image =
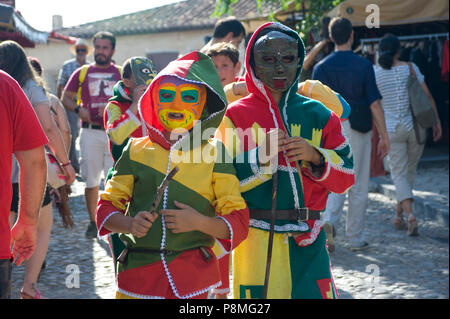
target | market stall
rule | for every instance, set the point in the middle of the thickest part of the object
(422, 27)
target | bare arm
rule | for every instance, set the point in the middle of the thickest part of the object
(55, 139)
(61, 121)
(380, 123)
(32, 180)
(68, 100)
(137, 225)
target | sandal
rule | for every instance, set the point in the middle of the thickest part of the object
(37, 295)
(399, 223)
(413, 226)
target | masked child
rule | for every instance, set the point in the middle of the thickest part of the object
(169, 252)
(121, 118)
(313, 158)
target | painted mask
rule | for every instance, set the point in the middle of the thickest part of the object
(178, 103)
(276, 60)
(143, 71)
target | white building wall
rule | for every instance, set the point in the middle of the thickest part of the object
(53, 54)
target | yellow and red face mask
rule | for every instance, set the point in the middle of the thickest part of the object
(178, 103)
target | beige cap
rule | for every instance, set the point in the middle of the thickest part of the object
(81, 42)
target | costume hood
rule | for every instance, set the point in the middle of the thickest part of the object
(120, 93)
(194, 67)
(255, 85)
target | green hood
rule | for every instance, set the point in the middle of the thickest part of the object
(198, 68)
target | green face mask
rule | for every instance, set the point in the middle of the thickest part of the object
(143, 71)
(276, 60)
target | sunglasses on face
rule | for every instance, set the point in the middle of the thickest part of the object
(81, 50)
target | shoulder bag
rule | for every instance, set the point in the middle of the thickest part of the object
(420, 103)
(421, 109)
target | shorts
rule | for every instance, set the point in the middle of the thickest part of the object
(15, 197)
(95, 157)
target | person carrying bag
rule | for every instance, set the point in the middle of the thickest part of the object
(409, 110)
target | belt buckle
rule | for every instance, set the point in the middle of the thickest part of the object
(299, 214)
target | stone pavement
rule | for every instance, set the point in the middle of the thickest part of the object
(394, 266)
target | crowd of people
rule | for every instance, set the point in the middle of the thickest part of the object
(291, 138)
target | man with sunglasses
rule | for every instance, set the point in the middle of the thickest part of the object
(81, 49)
(92, 86)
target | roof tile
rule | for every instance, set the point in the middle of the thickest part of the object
(184, 15)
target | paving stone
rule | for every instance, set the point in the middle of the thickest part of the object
(394, 267)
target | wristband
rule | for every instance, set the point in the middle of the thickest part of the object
(77, 109)
(66, 164)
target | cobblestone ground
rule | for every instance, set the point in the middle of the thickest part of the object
(395, 265)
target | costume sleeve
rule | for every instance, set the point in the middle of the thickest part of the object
(338, 174)
(322, 93)
(248, 169)
(118, 192)
(119, 125)
(229, 93)
(228, 203)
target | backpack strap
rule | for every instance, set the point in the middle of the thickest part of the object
(82, 76)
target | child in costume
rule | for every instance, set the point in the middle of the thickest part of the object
(313, 158)
(169, 253)
(122, 120)
(226, 58)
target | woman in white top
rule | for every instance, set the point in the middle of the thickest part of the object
(392, 76)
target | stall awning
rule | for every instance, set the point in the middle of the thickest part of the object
(393, 12)
(14, 27)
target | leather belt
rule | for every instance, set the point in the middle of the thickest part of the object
(302, 214)
(92, 126)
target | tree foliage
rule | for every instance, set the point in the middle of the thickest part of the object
(311, 20)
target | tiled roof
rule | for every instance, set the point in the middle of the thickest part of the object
(14, 27)
(180, 16)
